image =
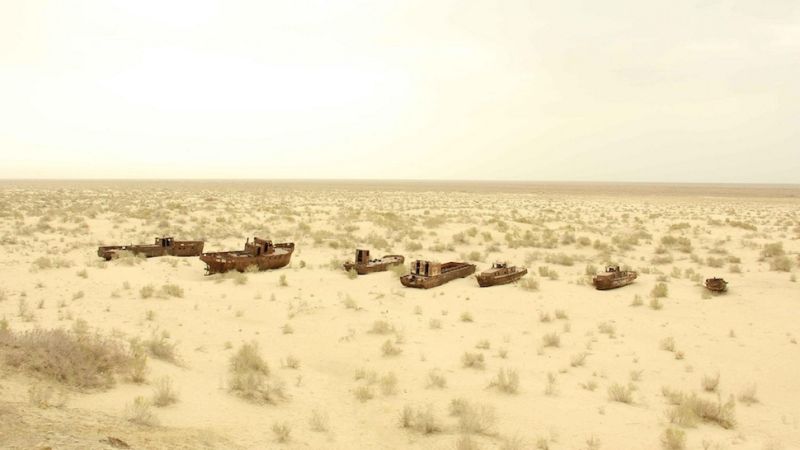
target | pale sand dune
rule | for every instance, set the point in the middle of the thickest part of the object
(748, 335)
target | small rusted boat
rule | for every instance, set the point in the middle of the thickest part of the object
(716, 284)
(363, 265)
(163, 246)
(613, 277)
(427, 274)
(500, 273)
(261, 254)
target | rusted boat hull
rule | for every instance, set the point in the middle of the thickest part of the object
(605, 283)
(487, 280)
(716, 285)
(221, 262)
(380, 265)
(179, 248)
(422, 282)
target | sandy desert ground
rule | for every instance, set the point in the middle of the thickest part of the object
(154, 354)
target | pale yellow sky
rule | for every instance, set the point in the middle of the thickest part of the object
(697, 91)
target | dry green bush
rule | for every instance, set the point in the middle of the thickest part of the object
(507, 380)
(83, 361)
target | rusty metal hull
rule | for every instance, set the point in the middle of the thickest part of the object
(379, 265)
(613, 281)
(493, 278)
(221, 262)
(178, 248)
(716, 284)
(455, 270)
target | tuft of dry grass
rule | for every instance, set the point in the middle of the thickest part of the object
(140, 412)
(660, 290)
(389, 349)
(162, 348)
(282, 432)
(688, 410)
(83, 361)
(473, 360)
(673, 439)
(319, 421)
(473, 418)
(164, 393)
(422, 420)
(620, 393)
(381, 327)
(748, 395)
(551, 340)
(710, 383)
(507, 380)
(248, 376)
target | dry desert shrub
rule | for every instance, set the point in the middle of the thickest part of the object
(748, 395)
(319, 421)
(147, 291)
(667, 344)
(473, 418)
(248, 376)
(389, 349)
(637, 300)
(388, 384)
(466, 316)
(282, 432)
(381, 327)
(710, 383)
(43, 395)
(436, 379)
(551, 340)
(172, 290)
(578, 359)
(364, 393)
(160, 347)
(422, 420)
(164, 393)
(528, 284)
(83, 361)
(473, 360)
(140, 413)
(620, 393)
(465, 442)
(507, 380)
(688, 410)
(660, 290)
(673, 439)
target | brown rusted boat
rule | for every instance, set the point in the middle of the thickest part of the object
(716, 284)
(163, 246)
(427, 274)
(363, 265)
(500, 273)
(613, 277)
(261, 254)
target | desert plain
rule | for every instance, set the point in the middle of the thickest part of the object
(151, 353)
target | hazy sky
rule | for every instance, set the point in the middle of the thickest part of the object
(414, 89)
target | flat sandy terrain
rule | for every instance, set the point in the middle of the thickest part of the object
(362, 362)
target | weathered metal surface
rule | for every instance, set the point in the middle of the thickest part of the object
(427, 274)
(500, 273)
(363, 265)
(716, 284)
(163, 246)
(261, 254)
(613, 277)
